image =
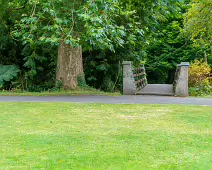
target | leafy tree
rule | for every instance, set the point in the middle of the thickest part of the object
(13, 52)
(57, 36)
(198, 25)
(76, 26)
(169, 48)
(198, 21)
(151, 13)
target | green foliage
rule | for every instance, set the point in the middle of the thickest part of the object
(103, 68)
(81, 81)
(151, 13)
(198, 73)
(8, 73)
(198, 26)
(10, 50)
(169, 48)
(198, 22)
(90, 24)
(204, 89)
(96, 26)
(199, 82)
(109, 32)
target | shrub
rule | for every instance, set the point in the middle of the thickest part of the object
(8, 73)
(199, 80)
(203, 89)
(198, 73)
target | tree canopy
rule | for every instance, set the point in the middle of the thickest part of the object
(108, 31)
(198, 21)
(92, 24)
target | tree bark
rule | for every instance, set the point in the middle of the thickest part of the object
(69, 66)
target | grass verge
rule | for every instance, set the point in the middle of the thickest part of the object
(99, 136)
(82, 91)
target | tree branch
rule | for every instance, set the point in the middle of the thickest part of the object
(22, 7)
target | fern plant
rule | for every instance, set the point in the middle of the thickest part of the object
(7, 73)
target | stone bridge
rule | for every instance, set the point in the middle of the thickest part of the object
(135, 82)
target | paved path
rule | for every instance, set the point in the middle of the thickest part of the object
(139, 99)
(157, 89)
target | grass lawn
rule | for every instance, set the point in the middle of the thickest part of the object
(86, 91)
(99, 136)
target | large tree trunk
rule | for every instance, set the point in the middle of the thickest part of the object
(69, 66)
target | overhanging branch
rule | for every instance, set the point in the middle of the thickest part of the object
(22, 7)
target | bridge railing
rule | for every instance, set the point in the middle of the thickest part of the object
(139, 75)
(180, 85)
(134, 79)
(176, 77)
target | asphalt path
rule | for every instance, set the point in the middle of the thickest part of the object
(129, 99)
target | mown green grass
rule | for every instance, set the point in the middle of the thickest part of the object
(89, 91)
(99, 136)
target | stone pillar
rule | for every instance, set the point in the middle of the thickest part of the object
(128, 79)
(182, 82)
